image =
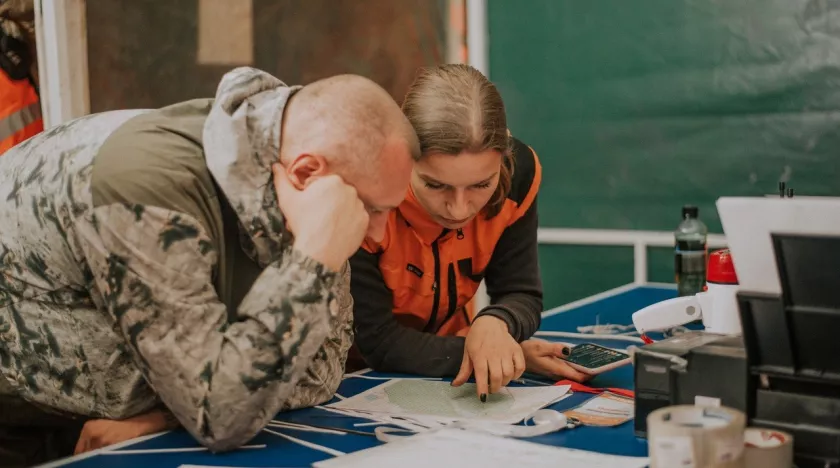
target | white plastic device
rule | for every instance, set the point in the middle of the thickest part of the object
(717, 307)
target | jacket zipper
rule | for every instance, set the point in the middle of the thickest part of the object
(453, 287)
(431, 325)
(453, 296)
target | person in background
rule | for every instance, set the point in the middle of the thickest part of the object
(470, 214)
(188, 265)
(20, 106)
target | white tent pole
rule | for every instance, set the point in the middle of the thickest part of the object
(61, 32)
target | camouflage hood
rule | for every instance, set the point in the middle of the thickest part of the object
(241, 142)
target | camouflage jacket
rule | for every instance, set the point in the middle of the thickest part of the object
(143, 259)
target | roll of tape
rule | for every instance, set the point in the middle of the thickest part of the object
(688, 436)
(767, 448)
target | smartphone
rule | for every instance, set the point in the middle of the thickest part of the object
(593, 359)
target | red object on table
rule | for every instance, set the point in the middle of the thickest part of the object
(576, 387)
(721, 269)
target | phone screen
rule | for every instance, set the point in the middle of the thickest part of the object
(593, 356)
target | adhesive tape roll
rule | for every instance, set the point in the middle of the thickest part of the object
(768, 448)
(693, 436)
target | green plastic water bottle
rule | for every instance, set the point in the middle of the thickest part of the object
(690, 253)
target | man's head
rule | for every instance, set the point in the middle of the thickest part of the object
(349, 126)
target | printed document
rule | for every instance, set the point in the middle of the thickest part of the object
(606, 409)
(468, 449)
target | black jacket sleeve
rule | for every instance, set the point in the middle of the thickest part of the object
(387, 345)
(513, 278)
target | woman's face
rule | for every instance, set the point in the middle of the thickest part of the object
(455, 188)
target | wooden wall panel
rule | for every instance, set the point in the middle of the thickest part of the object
(145, 53)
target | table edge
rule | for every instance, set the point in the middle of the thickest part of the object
(603, 295)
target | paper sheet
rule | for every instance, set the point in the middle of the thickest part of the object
(606, 409)
(465, 449)
(445, 403)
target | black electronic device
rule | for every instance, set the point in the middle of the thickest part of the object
(678, 370)
(593, 359)
(793, 348)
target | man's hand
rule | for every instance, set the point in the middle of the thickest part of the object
(546, 358)
(326, 216)
(98, 433)
(494, 356)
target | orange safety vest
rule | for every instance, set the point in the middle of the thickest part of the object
(20, 112)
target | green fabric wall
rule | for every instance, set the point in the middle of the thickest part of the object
(637, 108)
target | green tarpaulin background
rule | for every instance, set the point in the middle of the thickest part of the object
(639, 107)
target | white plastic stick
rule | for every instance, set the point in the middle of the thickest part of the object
(303, 428)
(378, 418)
(371, 377)
(374, 423)
(171, 450)
(317, 447)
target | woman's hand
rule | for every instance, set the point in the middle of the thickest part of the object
(547, 358)
(492, 354)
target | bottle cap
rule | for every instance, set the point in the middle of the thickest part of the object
(721, 269)
(689, 211)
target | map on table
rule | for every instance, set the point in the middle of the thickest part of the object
(438, 399)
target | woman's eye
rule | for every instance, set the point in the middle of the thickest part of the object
(482, 185)
(433, 186)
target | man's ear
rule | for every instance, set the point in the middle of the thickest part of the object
(304, 168)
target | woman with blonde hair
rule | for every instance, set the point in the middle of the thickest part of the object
(470, 214)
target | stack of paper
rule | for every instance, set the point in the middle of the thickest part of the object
(467, 449)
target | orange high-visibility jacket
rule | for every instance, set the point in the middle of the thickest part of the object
(411, 290)
(20, 112)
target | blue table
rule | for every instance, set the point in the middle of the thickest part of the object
(611, 307)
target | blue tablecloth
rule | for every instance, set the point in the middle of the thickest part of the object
(611, 307)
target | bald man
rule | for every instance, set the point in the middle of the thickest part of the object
(188, 265)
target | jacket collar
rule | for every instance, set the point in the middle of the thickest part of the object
(426, 228)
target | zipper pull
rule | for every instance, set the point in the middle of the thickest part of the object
(460, 234)
(434, 286)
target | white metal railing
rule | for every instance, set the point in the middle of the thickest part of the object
(639, 240)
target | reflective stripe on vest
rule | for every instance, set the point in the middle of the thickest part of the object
(17, 121)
